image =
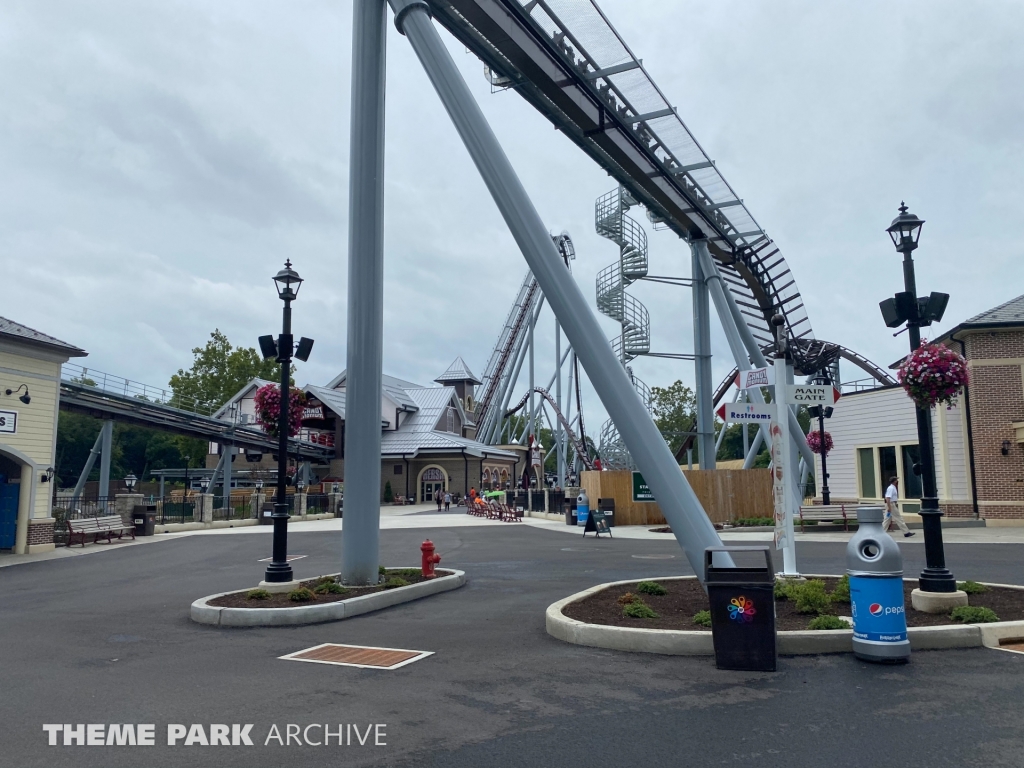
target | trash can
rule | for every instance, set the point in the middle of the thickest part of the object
(608, 507)
(266, 514)
(582, 508)
(742, 597)
(144, 518)
(875, 567)
(570, 511)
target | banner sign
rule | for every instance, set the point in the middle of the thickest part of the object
(9, 422)
(810, 394)
(640, 490)
(758, 377)
(747, 412)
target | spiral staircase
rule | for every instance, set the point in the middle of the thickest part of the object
(634, 338)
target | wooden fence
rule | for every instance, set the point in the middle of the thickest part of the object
(725, 494)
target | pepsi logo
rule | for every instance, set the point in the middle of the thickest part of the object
(875, 609)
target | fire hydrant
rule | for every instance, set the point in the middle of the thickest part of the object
(429, 559)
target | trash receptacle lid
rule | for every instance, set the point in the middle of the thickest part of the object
(747, 566)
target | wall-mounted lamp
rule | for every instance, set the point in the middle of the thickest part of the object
(1006, 448)
(47, 476)
(26, 398)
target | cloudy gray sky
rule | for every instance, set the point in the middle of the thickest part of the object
(161, 159)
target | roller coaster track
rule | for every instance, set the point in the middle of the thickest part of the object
(566, 59)
(577, 443)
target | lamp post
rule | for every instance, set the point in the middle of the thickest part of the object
(288, 283)
(822, 413)
(905, 232)
(184, 493)
(129, 482)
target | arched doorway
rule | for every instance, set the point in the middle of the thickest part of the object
(17, 497)
(431, 478)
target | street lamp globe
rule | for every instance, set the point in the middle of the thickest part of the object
(129, 482)
(288, 282)
(905, 230)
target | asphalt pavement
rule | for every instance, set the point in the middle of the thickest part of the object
(107, 639)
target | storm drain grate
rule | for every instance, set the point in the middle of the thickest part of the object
(1015, 644)
(363, 656)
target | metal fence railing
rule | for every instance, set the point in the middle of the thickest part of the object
(175, 510)
(64, 510)
(240, 508)
(318, 504)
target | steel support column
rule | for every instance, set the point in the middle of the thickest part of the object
(84, 476)
(107, 434)
(360, 539)
(702, 363)
(677, 500)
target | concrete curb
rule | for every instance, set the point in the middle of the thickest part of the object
(203, 613)
(676, 642)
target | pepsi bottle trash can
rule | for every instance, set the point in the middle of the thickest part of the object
(742, 597)
(875, 567)
(582, 508)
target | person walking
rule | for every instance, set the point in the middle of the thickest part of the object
(892, 508)
(447, 501)
(437, 498)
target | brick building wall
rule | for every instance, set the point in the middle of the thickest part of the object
(996, 393)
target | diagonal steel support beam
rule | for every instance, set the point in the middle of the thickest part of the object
(677, 500)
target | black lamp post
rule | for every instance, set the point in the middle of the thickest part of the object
(288, 283)
(905, 232)
(129, 482)
(184, 494)
(822, 412)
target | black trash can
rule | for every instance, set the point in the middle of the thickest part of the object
(742, 597)
(570, 511)
(608, 507)
(144, 518)
(266, 514)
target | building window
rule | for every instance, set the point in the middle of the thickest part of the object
(451, 419)
(398, 469)
(866, 465)
(887, 464)
(911, 486)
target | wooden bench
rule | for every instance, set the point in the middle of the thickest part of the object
(97, 527)
(829, 513)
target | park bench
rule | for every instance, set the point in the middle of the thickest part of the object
(510, 515)
(830, 512)
(98, 527)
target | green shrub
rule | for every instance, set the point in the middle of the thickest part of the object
(702, 618)
(971, 587)
(651, 588)
(784, 588)
(827, 622)
(638, 609)
(810, 597)
(752, 521)
(395, 581)
(329, 588)
(382, 570)
(627, 598)
(257, 594)
(970, 614)
(301, 595)
(405, 572)
(389, 495)
(841, 594)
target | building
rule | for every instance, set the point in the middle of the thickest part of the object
(427, 434)
(30, 364)
(979, 437)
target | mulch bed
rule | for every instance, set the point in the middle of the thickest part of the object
(685, 598)
(281, 600)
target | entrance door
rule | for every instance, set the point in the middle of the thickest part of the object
(428, 488)
(9, 493)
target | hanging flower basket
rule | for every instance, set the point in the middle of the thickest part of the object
(814, 442)
(268, 409)
(933, 374)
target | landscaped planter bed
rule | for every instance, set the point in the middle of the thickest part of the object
(282, 599)
(685, 598)
(235, 609)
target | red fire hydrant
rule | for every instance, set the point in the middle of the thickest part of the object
(429, 559)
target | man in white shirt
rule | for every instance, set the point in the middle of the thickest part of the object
(892, 508)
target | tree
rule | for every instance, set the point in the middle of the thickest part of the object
(218, 372)
(673, 408)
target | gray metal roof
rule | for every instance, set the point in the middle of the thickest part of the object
(393, 387)
(240, 395)
(1010, 312)
(431, 403)
(457, 371)
(334, 399)
(412, 443)
(26, 335)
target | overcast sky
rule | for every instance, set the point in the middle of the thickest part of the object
(160, 160)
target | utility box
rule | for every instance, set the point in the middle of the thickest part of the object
(144, 519)
(741, 589)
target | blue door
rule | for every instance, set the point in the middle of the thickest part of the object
(8, 513)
